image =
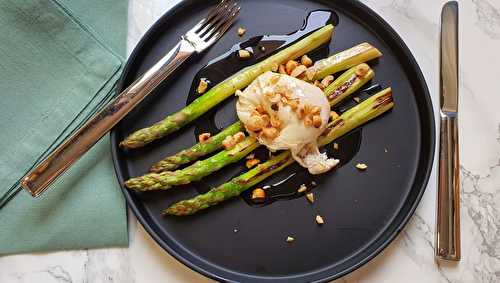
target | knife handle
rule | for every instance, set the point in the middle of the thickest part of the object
(448, 201)
(39, 179)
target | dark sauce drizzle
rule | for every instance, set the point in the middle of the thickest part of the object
(283, 185)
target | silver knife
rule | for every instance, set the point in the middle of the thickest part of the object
(448, 200)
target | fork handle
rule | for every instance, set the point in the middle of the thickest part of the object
(72, 148)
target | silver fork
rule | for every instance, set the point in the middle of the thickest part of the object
(196, 40)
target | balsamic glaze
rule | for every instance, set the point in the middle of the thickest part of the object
(229, 63)
(284, 184)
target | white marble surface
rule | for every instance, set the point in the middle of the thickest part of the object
(410, 257)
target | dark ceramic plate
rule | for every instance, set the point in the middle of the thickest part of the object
(363, 211)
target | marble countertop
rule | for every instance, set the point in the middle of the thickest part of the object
(410, 258)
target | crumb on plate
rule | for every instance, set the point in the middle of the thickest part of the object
(310, 197)
(320, 220)
(302, 188)
(241, 31)
(361, 166)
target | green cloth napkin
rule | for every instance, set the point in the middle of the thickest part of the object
(59, 58)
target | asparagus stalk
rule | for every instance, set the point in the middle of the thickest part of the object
(225, 89)
(351, 119)
(343, 60)
(360, 114)
(349, 82)
(200, 169)
(198, 150)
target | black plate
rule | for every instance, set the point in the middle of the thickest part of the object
(363, 211)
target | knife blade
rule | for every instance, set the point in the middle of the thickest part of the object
(449, 58)
(448, 199)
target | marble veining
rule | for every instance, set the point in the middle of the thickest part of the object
(410, 258)
(488, 18)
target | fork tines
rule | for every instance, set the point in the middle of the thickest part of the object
(218, 20)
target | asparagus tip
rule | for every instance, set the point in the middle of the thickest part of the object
(177, 209)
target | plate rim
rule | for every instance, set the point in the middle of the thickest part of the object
(389, 237)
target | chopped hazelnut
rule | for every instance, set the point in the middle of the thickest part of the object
(310, 197)
(306, 61)
(244, 54)
(316, 110)
(307, 109)
(310, 73)
(228, 142)
(357, 99)
(203, 137)
(270, 133)
(362, 70)
(319, 84)
(361, 166)
(290, 66)
(256, 123)
(326, 81)
(333, 115)
(275, 121)
(275, 67)
(293, 104)
(252, 162)
(319, 220)
(282, 69)
(258, 195)
(284, 100)
(308, 121)
(273, 97)
(299, 70)
(266, 120)
(260, 109)
(335, 146)
(285, 92)
(302, 188)
(289, 239)
(202, 86)
(239, 137)
(274, 79)
(241, 31)
(316, 120)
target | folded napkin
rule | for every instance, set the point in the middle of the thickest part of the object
(59, 59)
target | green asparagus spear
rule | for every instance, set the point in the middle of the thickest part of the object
(349, 82)
(200, 169)
(358, 115)
(198, 150)
(166, 180)
(225, 89)
(351, 119)
(343, 60)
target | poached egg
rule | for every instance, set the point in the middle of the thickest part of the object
(286, 113)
